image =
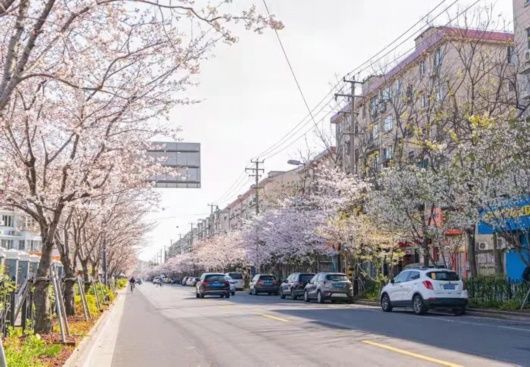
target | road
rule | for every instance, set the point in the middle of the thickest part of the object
(168, 326)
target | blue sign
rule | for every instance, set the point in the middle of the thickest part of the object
(509, 216)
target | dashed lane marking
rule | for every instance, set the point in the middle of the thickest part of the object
(273, 317)
(411, 354)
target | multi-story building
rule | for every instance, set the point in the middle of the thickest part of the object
(271, 190)
(20, 243)
(410, 104)
(521, 21)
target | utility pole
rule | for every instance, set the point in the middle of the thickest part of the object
(353, 130)
(211, 220)
(105, 271)
(255, 173)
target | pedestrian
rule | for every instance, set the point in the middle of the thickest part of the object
(132, 283)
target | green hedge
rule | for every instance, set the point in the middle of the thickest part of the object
(496, 292)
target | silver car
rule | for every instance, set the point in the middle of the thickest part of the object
(329, 286)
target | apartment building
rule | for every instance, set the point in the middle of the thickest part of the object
(276, 186)
(521, 21)
(413, 104)
(20, 244)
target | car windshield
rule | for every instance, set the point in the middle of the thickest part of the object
(443, 275)
(266, 277)
(336, 277)
(215, 278)
(235, 275)
(306, 277)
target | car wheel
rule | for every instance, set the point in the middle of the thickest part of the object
(227, 295)
(282, 296)
(306, 297)
(197, 295)
(386, 306)
(418, 305)
(459, 311)
(349, 300)
(233, 293)
(202, 295)
(319, 297)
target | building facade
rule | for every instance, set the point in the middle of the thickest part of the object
(521, 21)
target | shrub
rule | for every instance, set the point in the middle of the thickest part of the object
(496, 292)
(121, 283)
(25, 349)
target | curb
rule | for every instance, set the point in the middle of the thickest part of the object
(484, 312)
(82, 347)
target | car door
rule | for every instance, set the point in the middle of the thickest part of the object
(312, 286)
(395, 291)
(408, 286)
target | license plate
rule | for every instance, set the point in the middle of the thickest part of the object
(216, 284)
(267, 282)
(339, 285)
(449, 286)
(340, 295)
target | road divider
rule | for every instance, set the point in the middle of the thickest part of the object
(411, 354)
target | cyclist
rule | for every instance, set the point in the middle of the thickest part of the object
(132, 283)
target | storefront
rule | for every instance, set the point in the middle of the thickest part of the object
(511, 221)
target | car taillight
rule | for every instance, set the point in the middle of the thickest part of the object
(259, 282)
(427, 284)
(204, 283)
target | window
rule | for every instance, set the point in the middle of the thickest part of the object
(386, 94)
(336, 277)
(422, 68)
(437, 59)
(510, 55)
(424, 101)
(305, 277)
(388, 152)
(410, 92)
(6, 220)
(401, 277)
(443, 275)
(375, 131)
(373, 106)
(388, 123)
(413, 275)
(21, 245)
(7, 244)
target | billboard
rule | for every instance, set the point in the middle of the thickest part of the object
(184, 157)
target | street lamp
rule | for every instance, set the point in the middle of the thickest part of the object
(295, 162)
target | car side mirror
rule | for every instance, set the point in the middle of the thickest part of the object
(392, 281)
(284, 281)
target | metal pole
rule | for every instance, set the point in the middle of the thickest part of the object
(105, 275)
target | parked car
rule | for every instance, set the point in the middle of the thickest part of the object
(295, 284)
(232, 285)
(264, 283)
(184, 280)
(192, 281)
(212, 284)
(329, 286)
(238, 278)
(423, 289)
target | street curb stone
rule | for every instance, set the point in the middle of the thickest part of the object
(81, 348)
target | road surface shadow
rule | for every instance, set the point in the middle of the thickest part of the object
(493, 339)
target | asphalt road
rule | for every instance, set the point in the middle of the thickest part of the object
(168, 326)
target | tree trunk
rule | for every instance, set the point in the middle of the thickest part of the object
(471, 257)
(86, 276)
(69, 281)
(43, 321)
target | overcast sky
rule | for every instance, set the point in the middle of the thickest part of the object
(250, 101)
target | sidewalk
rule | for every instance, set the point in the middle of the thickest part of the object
(97, 348)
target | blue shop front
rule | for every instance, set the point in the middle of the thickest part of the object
(510, 219)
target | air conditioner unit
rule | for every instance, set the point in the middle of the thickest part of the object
(484, 246)
(526, 57)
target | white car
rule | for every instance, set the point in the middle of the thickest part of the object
(238, 278)
(425, 288)
(232, 285)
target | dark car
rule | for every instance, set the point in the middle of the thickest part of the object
(329, 286)
(264, 283)
(295, 284)
(212, 284)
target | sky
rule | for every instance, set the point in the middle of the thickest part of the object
(249, 100)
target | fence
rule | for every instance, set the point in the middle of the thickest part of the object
(496, 292)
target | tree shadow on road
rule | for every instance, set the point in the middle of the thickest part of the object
(494, 339)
